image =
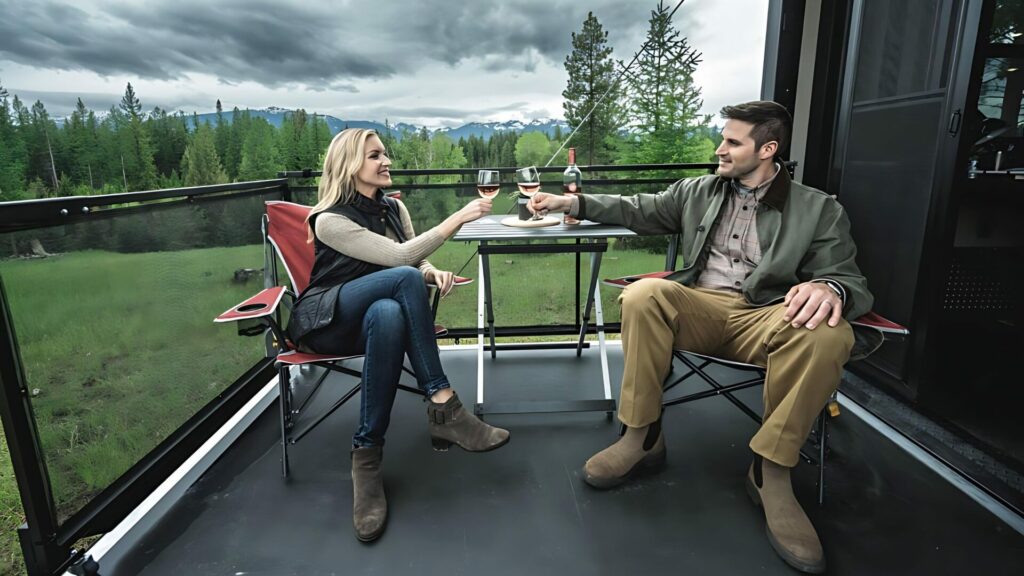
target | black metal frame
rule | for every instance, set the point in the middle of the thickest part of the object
(819, 434)
(30, 214)
(289, 414)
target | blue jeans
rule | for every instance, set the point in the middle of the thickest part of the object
(384, 315)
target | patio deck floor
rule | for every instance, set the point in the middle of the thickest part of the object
(524, 509)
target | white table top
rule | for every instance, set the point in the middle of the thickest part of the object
(491, 228)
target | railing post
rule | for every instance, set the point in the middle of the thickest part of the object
(38, 535)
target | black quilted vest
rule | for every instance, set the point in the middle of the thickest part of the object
(331, 269)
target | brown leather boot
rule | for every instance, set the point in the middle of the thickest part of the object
(450, 423)
(639, 449)
(369, 505)
(789, 530)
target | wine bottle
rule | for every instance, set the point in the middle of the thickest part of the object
(572, 183)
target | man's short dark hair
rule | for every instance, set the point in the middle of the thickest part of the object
(770, 119)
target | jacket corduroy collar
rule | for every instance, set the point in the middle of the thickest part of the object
(778, 190)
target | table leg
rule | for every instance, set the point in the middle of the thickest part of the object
(595, 270)
(485, 261)
(599, 321)
(594, 299)
(480, 332)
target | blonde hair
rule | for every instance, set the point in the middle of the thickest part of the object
(343, 160)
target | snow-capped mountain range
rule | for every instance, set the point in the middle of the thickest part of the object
(484, 130)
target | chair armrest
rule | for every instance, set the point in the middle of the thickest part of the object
(624, 281)
(880, 323)
(262, 304)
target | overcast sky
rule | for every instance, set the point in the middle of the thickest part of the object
(428, 62)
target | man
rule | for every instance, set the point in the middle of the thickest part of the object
(768, 276)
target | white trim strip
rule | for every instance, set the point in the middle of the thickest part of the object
(146, 514)
(986, 501)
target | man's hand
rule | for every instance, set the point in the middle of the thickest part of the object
(443, 280)
(544, 202)
(810, 303)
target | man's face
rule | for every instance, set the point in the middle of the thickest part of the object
(737, 156)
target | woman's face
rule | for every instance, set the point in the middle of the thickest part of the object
(375, 172)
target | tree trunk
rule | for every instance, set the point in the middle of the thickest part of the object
(37, 248)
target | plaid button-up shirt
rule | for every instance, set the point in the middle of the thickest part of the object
(735, 249)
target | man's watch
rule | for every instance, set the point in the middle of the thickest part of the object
(837, 288)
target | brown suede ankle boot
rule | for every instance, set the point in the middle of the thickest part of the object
(450, 423)
(638, 449)
(369, 505)
(789, 530)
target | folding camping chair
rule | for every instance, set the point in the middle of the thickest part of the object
(697, 365)
(285, 234)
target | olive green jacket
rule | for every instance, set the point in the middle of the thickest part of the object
(804, 234)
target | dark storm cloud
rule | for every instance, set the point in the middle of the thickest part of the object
(280, 43)
(61, 104)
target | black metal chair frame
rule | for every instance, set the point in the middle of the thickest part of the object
(819, 433)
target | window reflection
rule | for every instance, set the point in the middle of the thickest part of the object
(1008, 23)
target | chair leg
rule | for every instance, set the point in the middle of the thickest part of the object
(434, 304)
(283, 392)
(822, 452)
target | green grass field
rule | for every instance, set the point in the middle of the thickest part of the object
(120, 349)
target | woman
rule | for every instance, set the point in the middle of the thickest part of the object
(367, 294)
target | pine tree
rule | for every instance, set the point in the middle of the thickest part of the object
(665, 102)
(240, 125)
(259, 158)
(315, 137)
(13, 157)
(79, 147)
(200, 163)
(42, 144)
(222, 138)
(289, 141)
(591, 71)
(135, 149)
(170, 136)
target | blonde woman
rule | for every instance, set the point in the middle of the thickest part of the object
(367, 294)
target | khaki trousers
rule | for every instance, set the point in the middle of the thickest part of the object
(803, 366)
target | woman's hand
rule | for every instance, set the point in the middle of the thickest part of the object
(475, 209)
(443, 279)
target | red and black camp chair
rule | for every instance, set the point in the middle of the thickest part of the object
(285, 234)
(697, 365)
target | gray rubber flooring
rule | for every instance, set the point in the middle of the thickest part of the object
(524, 508)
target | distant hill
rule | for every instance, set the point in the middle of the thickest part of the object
(275, 116)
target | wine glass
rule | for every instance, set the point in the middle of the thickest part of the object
(528, 180)
(487, 183)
